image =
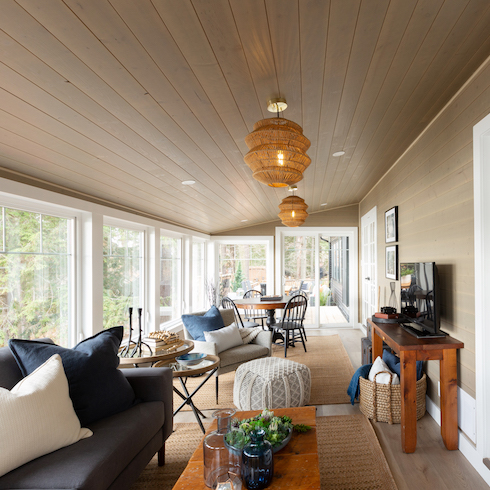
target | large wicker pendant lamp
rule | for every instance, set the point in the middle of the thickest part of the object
(293, 210)
(277, 155)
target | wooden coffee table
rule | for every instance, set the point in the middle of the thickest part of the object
(295, 466)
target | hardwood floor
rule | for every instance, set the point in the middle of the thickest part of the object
(431, 466)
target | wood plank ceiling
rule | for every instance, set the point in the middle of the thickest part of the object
(123, 100)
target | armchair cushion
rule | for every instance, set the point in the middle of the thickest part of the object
(196, 325)
(97, 388)
(242, 353)
(225, 338)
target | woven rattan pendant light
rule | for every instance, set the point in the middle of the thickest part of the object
(293, 210)
(277, 155)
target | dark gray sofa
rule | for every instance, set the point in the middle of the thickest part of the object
(121, 445)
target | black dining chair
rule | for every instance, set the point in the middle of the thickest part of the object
(228, 303)
(296, 293)
(291, 324)
(252, 314)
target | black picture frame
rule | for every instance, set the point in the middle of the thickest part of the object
(391, 262)
(391, 225)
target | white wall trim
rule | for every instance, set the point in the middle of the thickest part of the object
(481, 183)
(466, 447)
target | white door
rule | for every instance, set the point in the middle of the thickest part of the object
(319, 262)
(368, 265)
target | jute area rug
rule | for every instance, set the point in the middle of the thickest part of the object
(329, 363)
(349, 453)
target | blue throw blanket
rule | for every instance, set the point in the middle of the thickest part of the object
(353, 389)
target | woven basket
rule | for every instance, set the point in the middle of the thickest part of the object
(382, 402)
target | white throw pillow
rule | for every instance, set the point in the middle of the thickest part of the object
(37, 416)
(225, 338)
(378, 366)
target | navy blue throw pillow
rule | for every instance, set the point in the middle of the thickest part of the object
(97, 388)
(393, 362)
(197, 325)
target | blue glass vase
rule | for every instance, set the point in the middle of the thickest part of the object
(257, 462)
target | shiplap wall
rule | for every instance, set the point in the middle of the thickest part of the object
(344, 216)
(432, 185)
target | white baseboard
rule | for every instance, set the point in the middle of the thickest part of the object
(362, 328)
(466, 447)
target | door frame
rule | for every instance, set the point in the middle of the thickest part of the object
(481, 183)
(349, 231)
(371, 215)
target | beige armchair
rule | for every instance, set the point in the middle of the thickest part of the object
(230, 359)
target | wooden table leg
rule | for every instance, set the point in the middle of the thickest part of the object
(377, 344)
(408, 382)
(449, 399)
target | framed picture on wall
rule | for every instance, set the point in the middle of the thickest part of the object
(392, 262)
(391, 225)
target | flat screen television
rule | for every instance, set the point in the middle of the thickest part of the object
(420, 296)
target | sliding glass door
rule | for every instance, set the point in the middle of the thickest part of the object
(322, 263)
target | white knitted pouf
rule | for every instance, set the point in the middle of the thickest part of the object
(271, 382)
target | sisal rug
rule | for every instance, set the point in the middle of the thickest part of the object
(329, 363)
(349, 453)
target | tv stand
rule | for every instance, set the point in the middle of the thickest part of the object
(411, 349)
(414, 330)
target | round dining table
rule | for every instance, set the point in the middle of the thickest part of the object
(263, 303)
(270, 306)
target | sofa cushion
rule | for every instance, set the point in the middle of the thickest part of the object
(225, 338)
(93, 463)
(242, 353)
(97, 388)
(37, 416)
(197, 324)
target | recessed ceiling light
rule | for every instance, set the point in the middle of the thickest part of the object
(338, 153)
(188, 182)
(324, 204)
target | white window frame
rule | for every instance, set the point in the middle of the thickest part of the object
(145, 289)
(189, 306)
(90, 217)
(170, 325)
(268, 241)
(42, 207)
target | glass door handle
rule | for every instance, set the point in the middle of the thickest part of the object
(367, 278)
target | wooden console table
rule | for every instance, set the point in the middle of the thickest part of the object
(411, 349)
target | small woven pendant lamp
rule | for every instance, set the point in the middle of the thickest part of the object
(293, 210)
(277, 155)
